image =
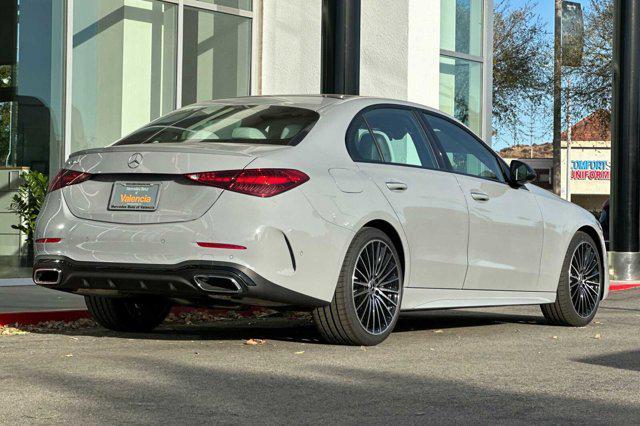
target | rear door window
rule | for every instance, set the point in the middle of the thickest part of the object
(256, 124)
(399, 137)
(389, 135)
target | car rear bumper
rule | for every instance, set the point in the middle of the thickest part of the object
(191, 280)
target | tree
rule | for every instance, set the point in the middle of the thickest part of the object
(593, 81)
(522, 61)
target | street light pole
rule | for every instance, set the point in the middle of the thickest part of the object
(567, 184)
(624, 257)
(557, 97)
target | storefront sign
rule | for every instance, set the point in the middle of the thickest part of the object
(590, 170)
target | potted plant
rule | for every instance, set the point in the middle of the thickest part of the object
(26, 204)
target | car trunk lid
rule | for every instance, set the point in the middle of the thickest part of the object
(159, 168)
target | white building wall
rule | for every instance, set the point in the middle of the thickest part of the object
(423, 70)
(287, 56)
(399, 47)
(384, 49)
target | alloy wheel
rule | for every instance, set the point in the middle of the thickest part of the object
(585, 277)
(376, 286)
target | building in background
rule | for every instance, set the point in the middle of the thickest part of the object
(590, 161)
(79, 74)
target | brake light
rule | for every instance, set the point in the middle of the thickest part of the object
(221, 246)
(48, 240)
(257, 182)
(67, 178)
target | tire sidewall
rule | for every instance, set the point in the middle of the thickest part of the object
(564, 291)
(362, 238)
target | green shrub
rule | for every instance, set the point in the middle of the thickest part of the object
(28, 201)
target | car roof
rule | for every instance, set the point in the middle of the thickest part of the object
(312, 102)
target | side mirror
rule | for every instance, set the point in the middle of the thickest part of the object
(521, 173)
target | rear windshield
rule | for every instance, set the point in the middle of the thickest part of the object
(256, 124)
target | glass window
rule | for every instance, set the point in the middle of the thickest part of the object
(360, 143)
(124, 68)
(461, 26)
(461, 91)
(256, 124)
(216, 56)
(466, 154)
(399, 137)
(31, 79)
(236, 4)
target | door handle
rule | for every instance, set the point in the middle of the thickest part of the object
(396, 186)
(479, 196)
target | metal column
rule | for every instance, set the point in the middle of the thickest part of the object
(625, 155)
(341, 46)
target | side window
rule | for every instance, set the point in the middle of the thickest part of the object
(360, 143)
(466, 154)
(399, 137)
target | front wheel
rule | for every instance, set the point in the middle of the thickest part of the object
(580, 284)
(128, 314)
(366, 303)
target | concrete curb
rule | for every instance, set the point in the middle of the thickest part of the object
(623, 285)
(29, 318)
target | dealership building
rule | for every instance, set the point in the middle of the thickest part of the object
(77, 74)
(589, 159)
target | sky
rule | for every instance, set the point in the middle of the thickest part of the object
(539, 128)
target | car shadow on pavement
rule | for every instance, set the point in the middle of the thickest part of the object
(297, 329)
(458, 318)
(158, 388)
(627, 360)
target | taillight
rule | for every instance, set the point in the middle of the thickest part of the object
(48, 240)
(221, 246)
(66, 178)
(256, 182)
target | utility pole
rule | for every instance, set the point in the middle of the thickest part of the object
(557, 97)
(567, 185)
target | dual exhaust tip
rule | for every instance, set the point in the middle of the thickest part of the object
(47, 276)
(210, 283)
(218, 284)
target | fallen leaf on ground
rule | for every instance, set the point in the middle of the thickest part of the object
(12, 331)
(597, 336)
(255, 342)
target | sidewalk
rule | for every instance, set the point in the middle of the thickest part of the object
(31, 298)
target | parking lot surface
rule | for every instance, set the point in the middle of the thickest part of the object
(501, 365)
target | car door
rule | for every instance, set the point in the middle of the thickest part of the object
(390, 146)
(505, 222)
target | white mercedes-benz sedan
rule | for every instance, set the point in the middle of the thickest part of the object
(354, 208)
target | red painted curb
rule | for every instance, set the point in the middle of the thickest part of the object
(30, 318)
(27, 318)
(618, 286)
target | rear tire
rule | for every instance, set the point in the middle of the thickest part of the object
(580, 284)
(366, 303)
(131, 314)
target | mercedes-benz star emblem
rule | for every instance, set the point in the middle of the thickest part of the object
(135, 160)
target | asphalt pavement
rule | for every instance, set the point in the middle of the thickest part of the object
(504, 366)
